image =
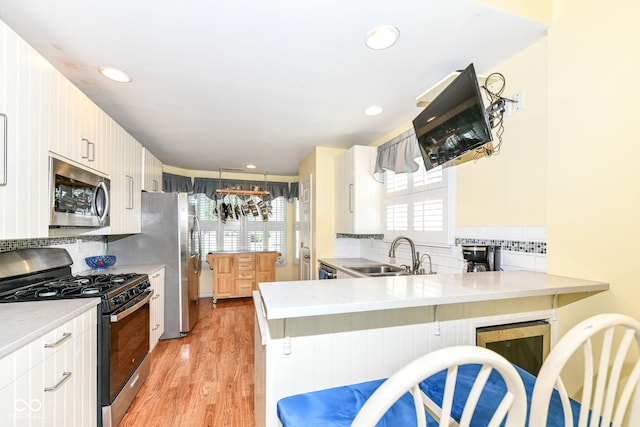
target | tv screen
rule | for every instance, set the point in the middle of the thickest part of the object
(454, 123)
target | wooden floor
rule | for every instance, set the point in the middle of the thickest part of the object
(205, 378)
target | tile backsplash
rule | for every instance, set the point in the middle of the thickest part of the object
(78, 248)
(522, 248)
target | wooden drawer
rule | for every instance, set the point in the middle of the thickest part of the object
(246, 275)
(246, 266)
(246, 258)
(244, 287)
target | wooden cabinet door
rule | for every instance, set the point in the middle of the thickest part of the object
(224, 276)
(265, 267)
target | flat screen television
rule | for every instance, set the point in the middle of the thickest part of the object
(454, 123)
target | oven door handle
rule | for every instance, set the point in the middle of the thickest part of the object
(129, 310)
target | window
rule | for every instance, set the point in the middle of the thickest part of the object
(420, 204)
(248, 233)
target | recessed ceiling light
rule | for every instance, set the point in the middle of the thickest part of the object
(115, 74)
(251, 166)
(373, 110)
(382, 37)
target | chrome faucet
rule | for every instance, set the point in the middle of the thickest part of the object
(421, 271)
(414, 256)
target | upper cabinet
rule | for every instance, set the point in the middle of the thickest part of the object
(80, 131)
(358, 195)
(25, 104)
(151, 171)
(126, 183)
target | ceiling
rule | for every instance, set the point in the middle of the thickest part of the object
(221, 84)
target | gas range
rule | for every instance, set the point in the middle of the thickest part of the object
(115, 290)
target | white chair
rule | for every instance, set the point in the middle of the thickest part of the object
(370, 402)
(609, 395)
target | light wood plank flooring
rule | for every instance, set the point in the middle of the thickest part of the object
(205, 378)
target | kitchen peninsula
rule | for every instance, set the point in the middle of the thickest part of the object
(317, 334)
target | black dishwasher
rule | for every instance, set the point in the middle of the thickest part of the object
(326, 271)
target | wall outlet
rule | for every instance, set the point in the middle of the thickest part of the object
(518, 105)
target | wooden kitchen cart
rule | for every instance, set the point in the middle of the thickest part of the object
(237, 274)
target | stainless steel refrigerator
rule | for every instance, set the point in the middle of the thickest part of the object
(170, 236)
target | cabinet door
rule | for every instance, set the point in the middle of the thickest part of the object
(56, 385)
(95, 139)
(24, 105)
(358, 195)
(157, 308)
(224, 276)
(126, 199)
(151, 171)
(265, 267)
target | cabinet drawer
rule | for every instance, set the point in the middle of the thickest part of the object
(246, 266)
(244, 287)
(246, 258)
(30, 355)
(245, 275)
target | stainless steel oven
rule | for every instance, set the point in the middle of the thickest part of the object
(125, 366)
(78, 197)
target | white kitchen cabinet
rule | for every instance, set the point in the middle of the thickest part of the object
(358, 195)
(80, 131)
(24, 106)
(151, 171)
(53, 379)
(342, 275)
(156, 307)
(126, 183)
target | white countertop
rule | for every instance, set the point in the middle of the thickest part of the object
(23, 322)
(323, 297)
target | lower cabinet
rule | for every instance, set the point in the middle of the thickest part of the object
(156, 308)
(238, 275)
(53, 379)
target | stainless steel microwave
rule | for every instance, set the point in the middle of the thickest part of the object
(79, 197)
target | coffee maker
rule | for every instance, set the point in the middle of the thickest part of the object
(481, 258)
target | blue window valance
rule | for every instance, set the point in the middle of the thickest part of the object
(397, 155)
(176, 183)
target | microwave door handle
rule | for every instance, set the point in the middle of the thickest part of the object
(101, 216)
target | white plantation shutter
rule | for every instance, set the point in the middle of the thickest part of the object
(397, 217)
(420, 205)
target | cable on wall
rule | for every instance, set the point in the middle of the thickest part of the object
(496, 108)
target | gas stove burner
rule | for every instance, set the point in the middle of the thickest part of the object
(90, 291)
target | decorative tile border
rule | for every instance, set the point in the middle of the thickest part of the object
(360, 236)
(11, 245)
(508, 245)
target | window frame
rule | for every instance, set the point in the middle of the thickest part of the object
(405, 191)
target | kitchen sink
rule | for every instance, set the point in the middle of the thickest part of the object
(379, 270)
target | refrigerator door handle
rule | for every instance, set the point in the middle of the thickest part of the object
(197, 248)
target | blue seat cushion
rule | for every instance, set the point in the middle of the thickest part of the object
(339, 406)
(491, 395)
